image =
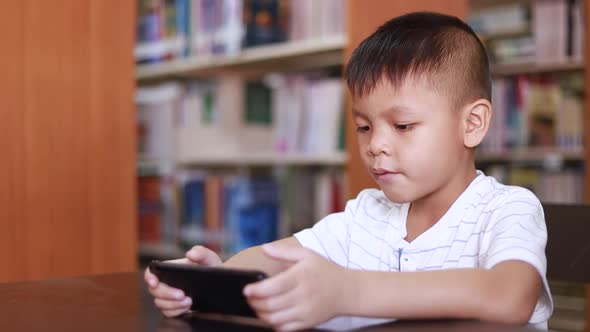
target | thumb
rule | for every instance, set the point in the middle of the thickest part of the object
(203, 256)
(292, 255)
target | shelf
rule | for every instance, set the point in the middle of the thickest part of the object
(160, 251)
(530, 155)
(151, 167)
(475, 5)
(504, 35)
(528, 66)
(305, 54)
(269, 159)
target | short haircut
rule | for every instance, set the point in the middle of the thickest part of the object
(424, 45)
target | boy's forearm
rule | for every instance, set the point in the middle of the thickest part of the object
(410, 295)
(459, 293)
(254, 258)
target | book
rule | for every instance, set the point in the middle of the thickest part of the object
(172, 29)
(519, 31)
(532, 111)
(192, 207)
(261, 19)
(308, 114)
(214, 212)
(258, 103)
(149, 209)
(157, 107)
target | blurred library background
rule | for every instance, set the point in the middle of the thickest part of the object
(240, 108)
(146, 127)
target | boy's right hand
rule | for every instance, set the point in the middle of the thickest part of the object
(171, 301)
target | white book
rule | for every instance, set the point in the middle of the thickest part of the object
(156, 107)
(550, 38)
(295, 110)
(195, 26)
(280, 116)
(578, 29)
(232, 27)
(323, 194)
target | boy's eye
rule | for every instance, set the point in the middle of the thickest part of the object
(404, 127)
(362, 130)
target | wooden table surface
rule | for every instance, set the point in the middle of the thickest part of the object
(120, 302)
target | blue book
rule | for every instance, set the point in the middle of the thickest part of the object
(252, 212)
(262, 23)
(193, 203)
(183, 24)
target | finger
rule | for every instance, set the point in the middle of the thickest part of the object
(279, 284)
(291, 326)
(174, 313)
(163, 291)
(204, 256)
(150, 278)
(280, 318)
(179, 261)
(271, 304)
(163, 304)
(285, 254)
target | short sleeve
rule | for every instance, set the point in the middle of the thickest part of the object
(330, 237)
(517, 231)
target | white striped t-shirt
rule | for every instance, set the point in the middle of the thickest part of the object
(489, 223)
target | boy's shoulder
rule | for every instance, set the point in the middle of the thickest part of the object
(495, 194)
(489, 201)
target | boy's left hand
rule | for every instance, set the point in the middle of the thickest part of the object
(309, 292)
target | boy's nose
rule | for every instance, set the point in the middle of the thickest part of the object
(379, 145)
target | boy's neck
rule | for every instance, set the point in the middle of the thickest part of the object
(427, 211)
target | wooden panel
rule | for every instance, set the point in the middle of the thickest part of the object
(362, 21)
(12, 244)
(586, 117)
(70, 206)
(112, 136)
(587, 140)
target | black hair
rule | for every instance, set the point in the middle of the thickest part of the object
(441, 48)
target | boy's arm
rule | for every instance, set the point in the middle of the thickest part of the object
(254, 257)
(506, 293)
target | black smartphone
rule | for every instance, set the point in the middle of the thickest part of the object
(212, 289)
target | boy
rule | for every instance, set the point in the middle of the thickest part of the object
(466, 245)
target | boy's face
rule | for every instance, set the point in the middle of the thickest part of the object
(410, 139)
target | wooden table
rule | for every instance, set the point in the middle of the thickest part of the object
(120, 302)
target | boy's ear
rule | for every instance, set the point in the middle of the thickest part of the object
(476, 119)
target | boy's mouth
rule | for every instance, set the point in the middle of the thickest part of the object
(382, 174)
(381, 171)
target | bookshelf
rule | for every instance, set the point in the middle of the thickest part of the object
(161, 251)
(268, 159)
(538, 94)
(531, 66)
(338, 159)
(530, 155)
(299, 55)
(297, 73)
